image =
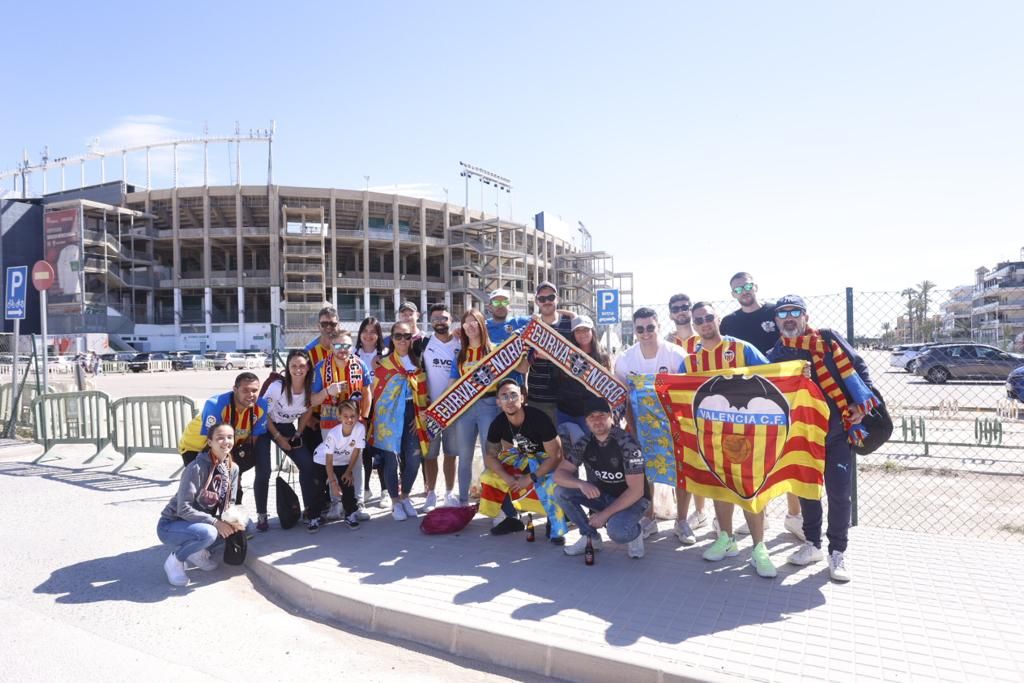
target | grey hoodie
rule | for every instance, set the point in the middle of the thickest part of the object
(192, 480)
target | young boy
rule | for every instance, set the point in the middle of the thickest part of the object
(333, 461)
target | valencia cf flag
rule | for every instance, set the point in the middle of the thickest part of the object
(746, 435)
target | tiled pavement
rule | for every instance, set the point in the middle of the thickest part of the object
(920, 607)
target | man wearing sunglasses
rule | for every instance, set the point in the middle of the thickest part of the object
(542, 386)
(318, 349)
(437, 358)
(651, 354)
(683, 335)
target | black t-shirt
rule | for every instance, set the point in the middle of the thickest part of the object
(528, 437)
(757, 328)
(541, 381)
(608, 464)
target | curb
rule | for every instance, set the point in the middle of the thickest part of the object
(469, 641)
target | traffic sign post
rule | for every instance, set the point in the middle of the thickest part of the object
(607, 306)
(15, 302)
(42, 280)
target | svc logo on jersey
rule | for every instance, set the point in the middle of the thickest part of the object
(768, 326)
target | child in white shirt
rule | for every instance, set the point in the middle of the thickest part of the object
(333, 461)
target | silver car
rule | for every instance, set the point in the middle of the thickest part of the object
(966, 361)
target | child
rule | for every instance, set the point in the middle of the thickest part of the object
(333, 461)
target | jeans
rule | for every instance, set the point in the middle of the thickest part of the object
(373, 460)
(623, 526)
(839, 464)
(187, 537)
(301, 456)
(410, 456)
(469, 427)
(571, 428)
(348, 492)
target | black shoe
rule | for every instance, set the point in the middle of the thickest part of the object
(508, 525)
(557, 541)
(314, 525)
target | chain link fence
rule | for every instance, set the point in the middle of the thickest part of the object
(955, 463)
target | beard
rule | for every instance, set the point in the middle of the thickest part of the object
(441, 329)
(792, 330)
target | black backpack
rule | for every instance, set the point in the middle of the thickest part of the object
(288, 509)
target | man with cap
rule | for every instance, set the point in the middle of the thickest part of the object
(843, 378)
(615, 489)
(542, 390)
(572, 393)
(500, 325)
(408, 313)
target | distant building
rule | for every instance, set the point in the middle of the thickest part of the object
(997, 306)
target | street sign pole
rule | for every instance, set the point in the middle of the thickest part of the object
(42, 328)
(42, 280)
(16, 298)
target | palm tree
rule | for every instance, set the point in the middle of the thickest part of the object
(925, 287)
(910, 293)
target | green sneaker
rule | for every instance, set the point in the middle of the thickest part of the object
(724, 547)
(762, 561)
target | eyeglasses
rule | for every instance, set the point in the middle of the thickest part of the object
(499, 302)
(509, 398)
(434, 321)
(341, 346)
(743, 288)
(679, 308)
(327, 323)
(789, 313)
(651, 327)
(700, 320)
(402, 336)
(546, 298)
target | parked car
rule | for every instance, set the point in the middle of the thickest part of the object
(184, 360)
(141, 361)
(905, 356)
(1015, 385)
(228, 360)
(120, 356)
(966, 361)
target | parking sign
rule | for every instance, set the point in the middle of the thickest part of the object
(16, 293)
(607, 306)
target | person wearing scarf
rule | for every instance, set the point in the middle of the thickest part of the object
(399, 426)
(843, 377)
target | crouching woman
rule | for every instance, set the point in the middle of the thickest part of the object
(191, 523)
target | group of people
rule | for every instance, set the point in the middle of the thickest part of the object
(346, 406)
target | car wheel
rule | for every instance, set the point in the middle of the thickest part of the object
(229, 366)
(911, 366)
(938, 375)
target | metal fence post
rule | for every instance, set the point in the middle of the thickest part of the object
(853, 475)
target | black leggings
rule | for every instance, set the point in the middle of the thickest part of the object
(322, 487)
(370, 454)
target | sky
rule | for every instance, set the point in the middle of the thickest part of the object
(817, 145)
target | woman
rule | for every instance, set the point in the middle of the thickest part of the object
(288, 400)
(370, 349)
(474, 423)
(572, 424)
(399, 427)
(191, 521)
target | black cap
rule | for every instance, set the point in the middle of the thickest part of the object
(793, 300)
(509, 380)
(595, 404)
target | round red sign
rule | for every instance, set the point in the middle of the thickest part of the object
(42, 275)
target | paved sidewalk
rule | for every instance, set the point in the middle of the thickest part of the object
(919, 608)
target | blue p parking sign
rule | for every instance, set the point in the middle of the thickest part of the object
(607, 306)
(16, 292)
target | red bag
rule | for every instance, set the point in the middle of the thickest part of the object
(447, 520)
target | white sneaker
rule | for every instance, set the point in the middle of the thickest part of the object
(684, 533)
(451, 500)
(837, 567)
(430, 503)
(636, 547)
(698, 519)
(385, 500)
(806, 554)
(398, 512)
(648, 525)
(795, 525)
(203, 560)
(361, 514)
(334, 511)
(580, 546)
(175, 570)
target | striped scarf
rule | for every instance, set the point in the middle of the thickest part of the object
(353, 374)
(393, 385)
(814, 343)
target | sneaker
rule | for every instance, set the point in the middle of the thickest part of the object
(367, 495)
(724, 547)
(385, 500)
(580, 546)
(806, 554)
(203, 560)
(352, 521)
(261, 522)
(508, 525)
(684, 533)
(795, 525)
(314, 525)
(698, 519)
(398, 512)
(762, 562)
(635, 549)
(361, 514)
(430, 503)
(451, 500)
(648, 525)
(837, 567)
(334, 511)
(410, 511)
(175, 570)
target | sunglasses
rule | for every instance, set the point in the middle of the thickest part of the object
(700, 320)
(402, 336)
(743, 288)
(651, 327)
(499, 302)
(509, 398)
(546, 298)
(679, 308)
(789, 313)
(435, 321)
(341, 346)
(325, 323)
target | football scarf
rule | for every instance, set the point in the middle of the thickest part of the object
(538, 499)
(393, 387)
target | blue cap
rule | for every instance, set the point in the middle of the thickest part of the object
(793, 301)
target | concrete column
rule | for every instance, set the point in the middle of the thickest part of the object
(423, 255)
(366, 301)
(176, 234)
(239, 223)
(366, 250)
(241, 319)
(207, 250)
(446, 264)
(208, 310)
(150, 307)
(395, 252)
(177, 311)
(332, 281)
(275, 305)
(398, 300)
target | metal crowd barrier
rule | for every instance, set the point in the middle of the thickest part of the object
(204, 364)
(28, 394)
(75, 417)
(149, 424)
(115, 367)
(158, 366)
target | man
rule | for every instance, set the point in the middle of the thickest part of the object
(340, 377)
(755, 323)
(615, 490)
(318, 349)
(542, 387)
(438, 357)
(716, 352)
(242, 409)
(500, 326)
(829, 355)
(522, 452)
(409, 314)
(650, 356)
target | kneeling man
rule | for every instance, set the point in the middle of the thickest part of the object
(615, 491)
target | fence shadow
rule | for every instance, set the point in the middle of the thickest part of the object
(94, 480)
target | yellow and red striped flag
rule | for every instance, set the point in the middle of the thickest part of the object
(746, 435)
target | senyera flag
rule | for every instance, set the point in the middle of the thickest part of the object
(747, 435)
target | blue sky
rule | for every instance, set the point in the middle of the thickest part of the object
(817, 145)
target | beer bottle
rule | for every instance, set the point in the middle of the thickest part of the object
(588, 554)
(531, 535)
